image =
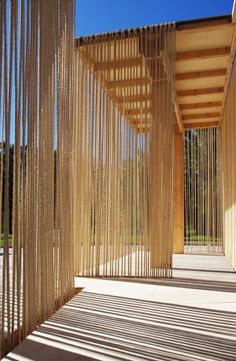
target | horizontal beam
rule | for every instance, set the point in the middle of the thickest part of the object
(201, 74)
(200, 116)
(200, 105)
(201, 125)
(115, 64)
(192, 92)
(140, 124)
(197, 25)
(202, 54)
(138, 111)
(135, 98)
(127, 83)
(203, 24)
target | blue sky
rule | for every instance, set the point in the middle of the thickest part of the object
(96, 16)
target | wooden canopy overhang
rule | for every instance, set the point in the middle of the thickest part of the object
(204, 51)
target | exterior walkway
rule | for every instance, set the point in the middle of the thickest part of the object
(190, 317)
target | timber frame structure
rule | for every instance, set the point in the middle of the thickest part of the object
(97, 134)
(204, 51)
(204, 57)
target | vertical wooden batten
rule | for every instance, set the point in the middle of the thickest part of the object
(178, 194)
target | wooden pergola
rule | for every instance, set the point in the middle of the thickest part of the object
(204, 50)
(97, 177)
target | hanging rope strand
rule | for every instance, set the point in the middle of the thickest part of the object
(125, 160)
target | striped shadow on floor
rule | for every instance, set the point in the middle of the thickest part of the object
(102, 327)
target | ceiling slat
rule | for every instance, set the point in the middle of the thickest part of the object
(201, 116)
(201, 125)
(202, 54)
(200, 105)
(200, 74)
(192, 92)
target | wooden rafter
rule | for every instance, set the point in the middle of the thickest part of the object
(135, 98)
(191, 92)
(127, 83)
(201, 74)
(201, 105)
(138, 111)
(201, 125)
(115, 64)
(140, 123)
(201, 116)
(202, 54)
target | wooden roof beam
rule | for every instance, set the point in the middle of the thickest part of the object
(201, 125)
(203, 25)
(139, 123)
(127, 83)
(201, 105)
(115, 64)
(201, 74)
(138, 111)
(201, 116)
(202, 54)
(192, 92)
(135, 98)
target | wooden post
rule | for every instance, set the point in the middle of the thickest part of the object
(178, 194)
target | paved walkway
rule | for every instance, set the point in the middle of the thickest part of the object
(191, 317)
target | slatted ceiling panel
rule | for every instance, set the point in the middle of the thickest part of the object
(202, 56)
(201, 67)
(131, 71)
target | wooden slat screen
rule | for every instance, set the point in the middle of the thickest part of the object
(228, 131)
(203, 191)
(124, 152)
(36, 261)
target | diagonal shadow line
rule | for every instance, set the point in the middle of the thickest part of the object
(203, 270)
(192, 283)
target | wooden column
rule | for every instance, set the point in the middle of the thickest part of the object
(178, 194)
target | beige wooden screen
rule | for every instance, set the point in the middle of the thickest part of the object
(36, 261)
(123, 153)
(229, 168)
(203, 191)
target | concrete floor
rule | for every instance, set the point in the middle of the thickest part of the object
(190, 317)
